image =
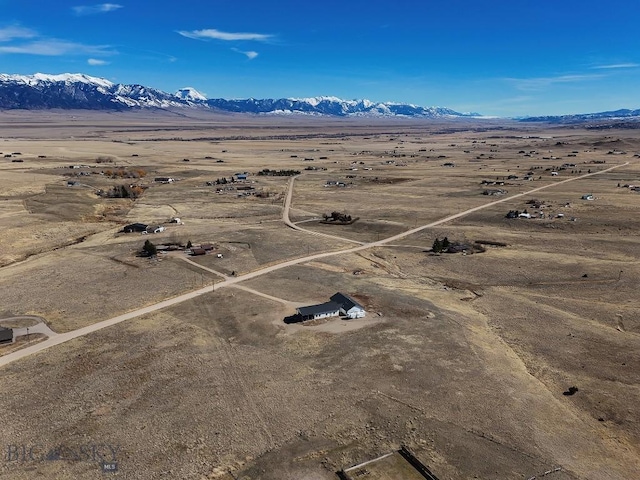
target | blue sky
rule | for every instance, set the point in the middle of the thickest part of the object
(496, 57)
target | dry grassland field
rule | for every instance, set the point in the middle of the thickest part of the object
(515, 358)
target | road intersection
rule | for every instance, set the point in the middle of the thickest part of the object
(232, 281)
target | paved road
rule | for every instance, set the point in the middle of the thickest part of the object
(65, 337)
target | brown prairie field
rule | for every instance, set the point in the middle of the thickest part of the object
(465, 357)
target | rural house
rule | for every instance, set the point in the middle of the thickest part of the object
(314, 312)
(348, 306)
(135, 227)
(163, 180)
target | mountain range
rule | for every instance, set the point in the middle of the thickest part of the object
(622, 114)
(79, 91)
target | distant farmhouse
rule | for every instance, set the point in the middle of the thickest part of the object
(135, 227)
(340, 304)
(164, 180)
(6, 335)
(142, 228)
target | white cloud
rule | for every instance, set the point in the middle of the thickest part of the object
(95, 9)
(538, 83)
(250, 54)
(96, 62)
(25, 41)
(213, 34)
(54, 48)
(11, 33)
(617, 65)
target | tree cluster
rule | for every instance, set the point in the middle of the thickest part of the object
(278, 173)
(149, 249)
(124, 191)
(515, 213)
(124, 173)
(337, 217)
(440, 246)
(224, 181)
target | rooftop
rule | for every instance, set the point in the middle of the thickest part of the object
(345, 301)
(318, 309)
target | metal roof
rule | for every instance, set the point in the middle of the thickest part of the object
(345, 301)
(328, 307)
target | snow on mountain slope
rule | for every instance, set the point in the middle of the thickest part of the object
(80, 91)
(65, 77)
(190, 93)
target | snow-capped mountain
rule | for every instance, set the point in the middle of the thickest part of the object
(79, 91)
(330, 106)
(190, 94)
(623, 114)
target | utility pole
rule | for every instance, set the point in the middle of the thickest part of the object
(27, 334)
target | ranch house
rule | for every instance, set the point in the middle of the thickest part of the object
(324, 310)
(348, 306)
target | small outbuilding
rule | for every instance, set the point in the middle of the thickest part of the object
(6, 335)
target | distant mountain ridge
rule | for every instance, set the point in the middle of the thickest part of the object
(80, 91)
(622, 114)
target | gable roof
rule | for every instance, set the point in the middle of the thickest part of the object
(327, 307)
(345, 301)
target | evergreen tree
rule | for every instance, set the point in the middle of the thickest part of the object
(437, 246)
(149, 248)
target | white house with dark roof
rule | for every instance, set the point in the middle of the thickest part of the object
(340, 304)
(348, 306)
(324, 310)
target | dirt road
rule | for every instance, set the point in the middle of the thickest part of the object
(287, 221)
(65, 337)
